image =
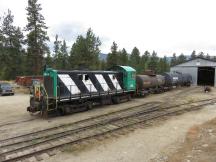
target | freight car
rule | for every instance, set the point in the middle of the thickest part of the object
(177, 79)
(149, 84)
(67, 91)
(186, 79)
(27, 80)
(152, 83)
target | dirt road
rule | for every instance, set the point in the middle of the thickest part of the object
(148, 144)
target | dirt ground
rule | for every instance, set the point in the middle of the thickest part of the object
(154, 143)
(199, 144)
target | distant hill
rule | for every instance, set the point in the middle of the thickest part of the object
(170, 57)
(102, 56)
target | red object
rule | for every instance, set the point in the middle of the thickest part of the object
(27, 80)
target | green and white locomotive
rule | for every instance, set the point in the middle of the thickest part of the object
(68, 91)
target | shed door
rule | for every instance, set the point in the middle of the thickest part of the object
(206, 76)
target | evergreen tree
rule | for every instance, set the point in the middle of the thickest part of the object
(144, 61)
(85, 51)
(201, 55)
(123, 57)
(49, 60)
(57, 54)
(36, 38)
(11, 48)
(173, 60)
(112, 58)
(1, 50)
(181, 59)
(153, 63)
(135, 59)
(207, 56)
(166, 65)
(102, 65)
(193, 55)
(163, 65)
(64, 54)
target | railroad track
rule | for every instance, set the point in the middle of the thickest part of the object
(16, 122)
(46, 141)
(27, 120)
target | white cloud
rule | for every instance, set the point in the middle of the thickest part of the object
(164, 26)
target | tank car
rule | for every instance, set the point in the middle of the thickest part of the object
(177, 79)
(172, 79)
(69, 91)
(149, 84)
(186, 79)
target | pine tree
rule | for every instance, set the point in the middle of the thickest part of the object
(57, 53)
(173, 60)
(163, 65)
(181, 59)
(193, 55)
(144, 61)
(201, 55)
(49, 60)
(153, 63)
(36, 38)
(135, 59)
(1, 51)
(102, 65)
(123, 57)
(207, 56)
(85, 51)
(112, 58)
(166, 64)
(64, 54)
(11, 48)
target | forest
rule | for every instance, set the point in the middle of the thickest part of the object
(25, 51)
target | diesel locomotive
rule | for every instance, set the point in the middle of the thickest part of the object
(70, 91)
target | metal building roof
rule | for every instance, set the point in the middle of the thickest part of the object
(197, 62)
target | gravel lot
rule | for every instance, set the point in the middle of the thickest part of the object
(140, 145)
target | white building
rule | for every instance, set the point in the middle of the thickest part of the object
(202, 71)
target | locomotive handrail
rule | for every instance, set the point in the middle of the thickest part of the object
(47, 97)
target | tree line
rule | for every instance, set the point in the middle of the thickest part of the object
(182, 58)
(26, 54)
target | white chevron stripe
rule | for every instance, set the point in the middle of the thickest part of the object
(69, 83)
(102, 81)
(115, 82)
(89, 85)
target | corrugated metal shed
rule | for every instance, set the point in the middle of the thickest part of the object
(196, 68)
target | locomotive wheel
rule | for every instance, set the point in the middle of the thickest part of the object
(89, 105)
(44, 114)
(60, 112)
(116, 100)
(129, 97)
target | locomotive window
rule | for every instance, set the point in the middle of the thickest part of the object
(80, 77)
(86, 77)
